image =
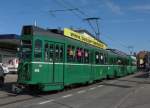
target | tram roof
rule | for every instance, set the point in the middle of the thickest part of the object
(118, 52)
(34, 30)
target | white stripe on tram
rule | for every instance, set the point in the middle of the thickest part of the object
(71, 64)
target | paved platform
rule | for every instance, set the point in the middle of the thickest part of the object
(132, 91)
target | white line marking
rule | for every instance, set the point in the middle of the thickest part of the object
(46, 101)
(92, 88)
(100, 86)
(69, 95)
(113, 81)
(81, 91)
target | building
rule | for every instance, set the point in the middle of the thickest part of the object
(9, 44)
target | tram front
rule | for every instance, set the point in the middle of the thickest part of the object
(25, 57)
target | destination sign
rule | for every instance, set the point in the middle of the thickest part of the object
(82, 38)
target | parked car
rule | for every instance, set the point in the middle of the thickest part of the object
(1, 76)
(5, 68)
(12, 65)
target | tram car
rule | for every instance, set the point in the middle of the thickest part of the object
(49, 60)
(143, 60)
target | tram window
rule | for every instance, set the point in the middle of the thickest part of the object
(124, 62)
(61, 53)
(70, 53)
(26, 49)
(74, 53)
(115, 61)
(111, 60)
(96, 57)
(101, 58)
(46, 52)
(82, 55)
(51, 52)
(79, 55)
(106, 59)
(119, 62)
(57, 52)
(127, 62)
(86, 56)
(38, 50)
(27, 30)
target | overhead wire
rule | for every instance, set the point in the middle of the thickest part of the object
(66, 7)
(119, 42)
(84, 15)
(78, 10)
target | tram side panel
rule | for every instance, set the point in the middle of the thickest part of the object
(77, 66)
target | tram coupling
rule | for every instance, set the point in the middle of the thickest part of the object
(17, 88)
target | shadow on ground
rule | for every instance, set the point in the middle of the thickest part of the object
(143, 78)
(116, 85)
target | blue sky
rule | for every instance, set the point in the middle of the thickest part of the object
(123, 22)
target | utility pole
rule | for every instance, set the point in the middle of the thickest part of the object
(35, 23)
(131, 49)
(95, 20)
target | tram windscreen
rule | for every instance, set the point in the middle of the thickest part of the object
(26, 49)
(27, 30)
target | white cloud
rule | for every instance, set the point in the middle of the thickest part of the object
(114, 7)
(145, 7)
(124, 20)
(84, 2)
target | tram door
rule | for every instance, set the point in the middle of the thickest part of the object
(56, 57)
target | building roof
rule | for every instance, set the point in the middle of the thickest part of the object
(9, 36)
(9, 41)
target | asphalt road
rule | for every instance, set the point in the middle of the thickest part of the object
(127, 92)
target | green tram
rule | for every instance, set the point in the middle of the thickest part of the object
(50, 61)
